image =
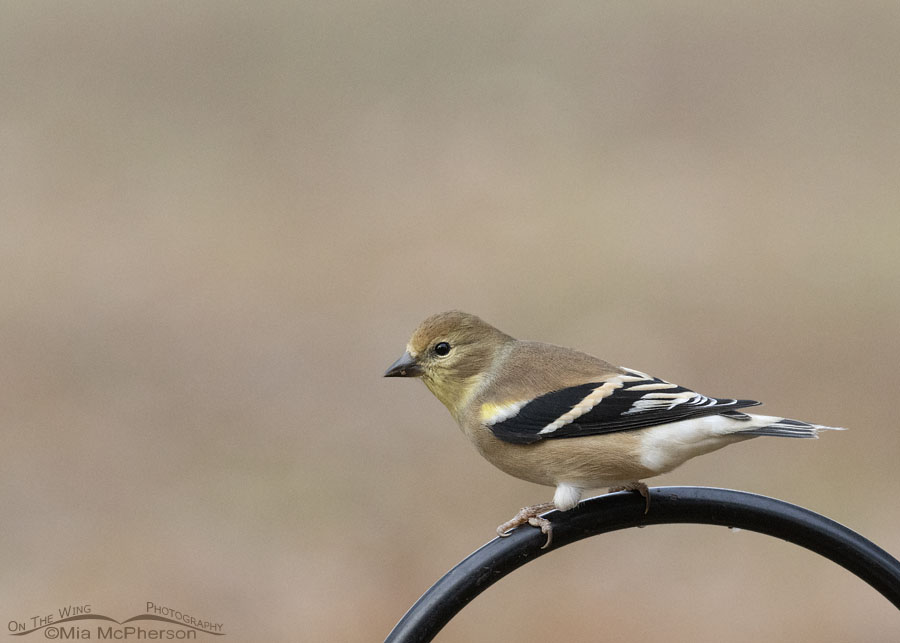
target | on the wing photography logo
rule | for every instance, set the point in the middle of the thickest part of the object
(80, 623)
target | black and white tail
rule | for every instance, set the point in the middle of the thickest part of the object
(786, 428)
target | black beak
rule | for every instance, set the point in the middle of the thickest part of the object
(406, 366)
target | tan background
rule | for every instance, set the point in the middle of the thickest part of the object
(221, 221)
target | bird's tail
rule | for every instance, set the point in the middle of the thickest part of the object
(785, 428)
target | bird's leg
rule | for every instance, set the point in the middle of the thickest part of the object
(530, 515)
(640, 487)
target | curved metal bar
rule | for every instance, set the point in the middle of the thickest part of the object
(668, 505)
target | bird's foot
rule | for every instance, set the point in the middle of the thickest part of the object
(530, 515)
(640, 487)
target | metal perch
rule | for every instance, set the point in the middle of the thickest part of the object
(668, 505)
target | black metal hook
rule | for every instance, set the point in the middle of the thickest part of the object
(668, 505)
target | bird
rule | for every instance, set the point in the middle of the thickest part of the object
(562, 418)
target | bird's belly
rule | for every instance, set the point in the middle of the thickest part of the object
(588, 462)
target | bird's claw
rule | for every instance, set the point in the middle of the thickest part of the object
(641, 488)
(546, 528)
(531, 516)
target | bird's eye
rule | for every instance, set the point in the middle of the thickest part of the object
(441, 349)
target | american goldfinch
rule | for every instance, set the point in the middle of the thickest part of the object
(562, 418)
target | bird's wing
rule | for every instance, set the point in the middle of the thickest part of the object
(620, 403)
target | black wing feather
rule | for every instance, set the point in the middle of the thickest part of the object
(616, 412)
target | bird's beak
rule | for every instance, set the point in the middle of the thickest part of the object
(406, 366)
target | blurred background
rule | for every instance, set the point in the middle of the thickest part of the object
(221, 221)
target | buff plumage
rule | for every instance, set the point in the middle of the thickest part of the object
(563, 418)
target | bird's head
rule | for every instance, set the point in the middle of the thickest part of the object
(450, 352)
